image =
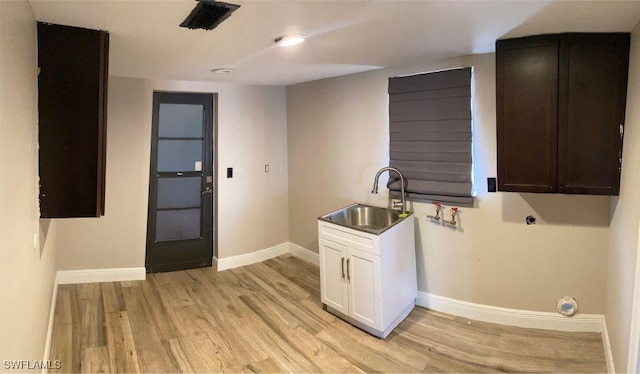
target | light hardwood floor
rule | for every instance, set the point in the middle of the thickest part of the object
(268, 317)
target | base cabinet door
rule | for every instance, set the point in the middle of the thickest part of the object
(333, 282)
(363, 274)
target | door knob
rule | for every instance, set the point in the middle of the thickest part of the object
(208, 190)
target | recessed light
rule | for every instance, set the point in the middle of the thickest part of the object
(222, 70)
(289, 40)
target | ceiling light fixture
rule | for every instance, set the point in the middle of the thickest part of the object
(289, 40)
(222, 70)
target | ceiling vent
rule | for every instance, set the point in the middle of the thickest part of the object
(208, 14)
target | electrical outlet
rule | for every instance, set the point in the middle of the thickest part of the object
(396, 204)
(491, 184)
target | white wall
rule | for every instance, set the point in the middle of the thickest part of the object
(625, 210)
(251, 133)
(634, 344)
(26, 273)
(338, 139)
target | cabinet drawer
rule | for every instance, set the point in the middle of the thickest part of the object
(349, 237)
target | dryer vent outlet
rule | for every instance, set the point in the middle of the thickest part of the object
(567, 306)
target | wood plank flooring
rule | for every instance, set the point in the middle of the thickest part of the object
(267, 317)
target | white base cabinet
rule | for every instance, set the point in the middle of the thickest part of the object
(368, 280)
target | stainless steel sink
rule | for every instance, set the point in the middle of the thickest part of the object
(367, 218)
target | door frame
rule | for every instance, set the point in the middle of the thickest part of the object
(213, 134)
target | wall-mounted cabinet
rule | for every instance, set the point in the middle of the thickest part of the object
(560, 112)
(72, 105)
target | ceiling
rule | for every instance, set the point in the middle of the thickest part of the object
(343, 37)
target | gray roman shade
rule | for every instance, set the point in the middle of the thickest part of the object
(430, 136)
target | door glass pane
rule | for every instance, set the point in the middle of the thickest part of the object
(179, 155)
(177, 224)
(180, 120)
(179, 192)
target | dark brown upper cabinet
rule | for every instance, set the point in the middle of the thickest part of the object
(560, 112)
(72, 105)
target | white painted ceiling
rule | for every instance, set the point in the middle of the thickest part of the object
(343, 37)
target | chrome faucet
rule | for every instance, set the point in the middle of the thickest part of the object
(375, 185)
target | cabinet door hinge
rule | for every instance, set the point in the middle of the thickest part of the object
(620, 165)
(621, 130)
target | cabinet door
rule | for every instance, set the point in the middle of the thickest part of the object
(72, 96)
(593, 86)
(333, 286)
(527, 110)
(363, 276)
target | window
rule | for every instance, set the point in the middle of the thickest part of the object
(430, 136)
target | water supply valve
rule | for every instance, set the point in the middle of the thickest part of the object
(454, 213)
(438, 210)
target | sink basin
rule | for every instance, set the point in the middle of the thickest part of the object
(367, 218)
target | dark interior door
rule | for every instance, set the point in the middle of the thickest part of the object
(180, 219)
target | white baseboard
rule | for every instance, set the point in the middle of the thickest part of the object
(607, 347)
(512, 317)
(305, 254)
(52, 313)
(265, 254)
(253, 257)
(100, 275)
